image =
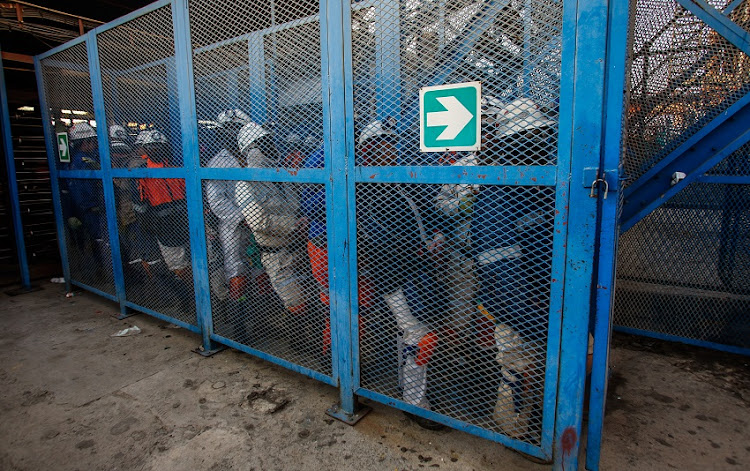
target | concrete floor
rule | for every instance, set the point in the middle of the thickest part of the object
(73, 397)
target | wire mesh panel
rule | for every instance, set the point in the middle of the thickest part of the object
(455, 278)
(139, 82)
(512, 49)
(268, 268)
(154, 242)
(266, 65)
(86, 233)
(457, 324)
(67, 86)
(683, 75)
(684, 270)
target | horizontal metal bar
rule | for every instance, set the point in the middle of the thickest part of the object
(138, 68)
(720, 23)
(90, 174)
(674, 338)
(143, 172)
(15, 57)
(96, 291)
(132, 15)
(500, 175)
(274, 359)
(730, 8)
(454, 423)
(687, 145)
(61, 47)
(303, 175)
(725, 179)
(163, 317)
(262, 32)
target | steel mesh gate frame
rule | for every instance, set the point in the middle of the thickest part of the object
(683, 260)
(314, 77)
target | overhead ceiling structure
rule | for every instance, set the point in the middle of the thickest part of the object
(27, 29)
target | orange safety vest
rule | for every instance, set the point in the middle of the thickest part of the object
(156, 191)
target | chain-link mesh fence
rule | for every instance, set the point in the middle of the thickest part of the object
(155, 243)
(86, 233)
(455, 319)
(139, 83)
(683, 75)
(513, 49)
(684, 270)
(67, 88)
(265, 68)
(268, 268)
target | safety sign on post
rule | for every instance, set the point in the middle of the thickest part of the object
(449, 117)
(63, 148)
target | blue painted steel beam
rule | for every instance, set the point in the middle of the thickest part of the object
(131, 16)
(53, 173)
(720, 23)
(725, 179)
(658, 169)
(84, 174)
(388, 60)
(102, 131)
(338, 142)
(606, 258)
(500, 175)
(303, 175)
(10, 165)
(730, 8)
(191, 162)
(60, 48)
(718, 144)
(464, 43)
(144, 172)
(256, 57)
(587, 22)
(674, 338)
(455, 423)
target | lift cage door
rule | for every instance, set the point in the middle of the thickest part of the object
(460, 255)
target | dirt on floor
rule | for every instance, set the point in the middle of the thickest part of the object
(74, 397)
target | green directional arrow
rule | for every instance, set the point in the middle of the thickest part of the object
(63, 147)
(450, 117)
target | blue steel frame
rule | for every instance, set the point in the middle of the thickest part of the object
(581, 135)
(606, 258)
(10, 165)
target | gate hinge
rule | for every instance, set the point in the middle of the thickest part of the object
(608, 181)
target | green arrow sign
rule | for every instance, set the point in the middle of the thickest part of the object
(63, 148)
(449, 117)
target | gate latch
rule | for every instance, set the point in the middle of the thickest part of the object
(593, 178)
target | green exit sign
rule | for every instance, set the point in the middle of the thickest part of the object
(449, 117)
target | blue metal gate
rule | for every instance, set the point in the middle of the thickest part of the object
(252, 172)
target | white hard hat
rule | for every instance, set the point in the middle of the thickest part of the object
(151, 137)
(234, 116)
(118, 133)
(81, 131)
(520, 115)
(293, 138)
(374, 129)
(491, 106)
(313, 141)
(249, 134)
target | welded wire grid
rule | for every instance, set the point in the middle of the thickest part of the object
(139, 78)
(155, 244)
(514, 49)
(268, 268)
(683, 74)
(454, 299)
(265, 63)
(86, 234)
(67, 86)
(684, 270)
